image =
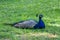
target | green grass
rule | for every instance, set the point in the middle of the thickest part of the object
(17, 10)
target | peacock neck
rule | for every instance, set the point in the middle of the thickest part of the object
(40, 18)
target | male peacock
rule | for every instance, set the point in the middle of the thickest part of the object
(30, 23)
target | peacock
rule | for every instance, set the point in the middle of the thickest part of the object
(30, 23)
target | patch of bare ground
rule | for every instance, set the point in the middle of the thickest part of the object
(38, 35)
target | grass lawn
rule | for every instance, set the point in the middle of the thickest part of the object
(17, 10)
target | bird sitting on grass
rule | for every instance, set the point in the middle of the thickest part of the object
(30, 24)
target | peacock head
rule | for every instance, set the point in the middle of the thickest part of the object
(40, 16)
